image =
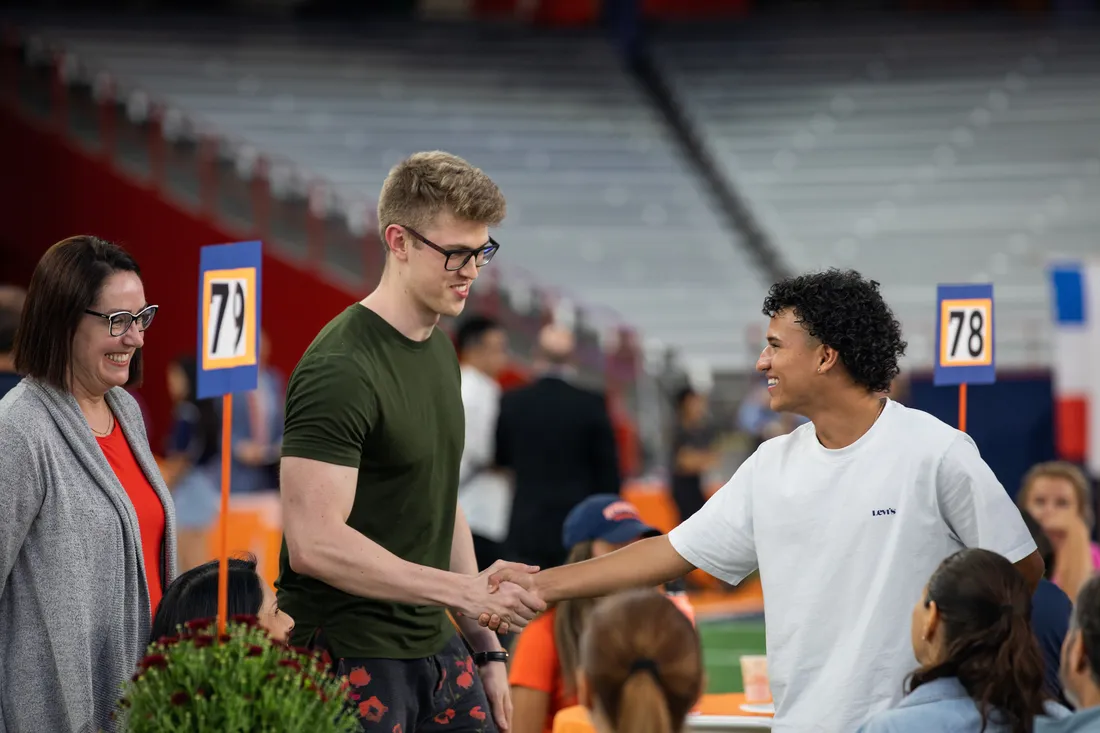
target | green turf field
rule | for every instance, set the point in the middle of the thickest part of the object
(723, 644)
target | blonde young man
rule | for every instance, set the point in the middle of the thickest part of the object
(375, 548)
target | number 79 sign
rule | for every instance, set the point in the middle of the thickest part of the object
(964, 335)
(229, 318)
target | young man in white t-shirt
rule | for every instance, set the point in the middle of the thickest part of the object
(846, 517)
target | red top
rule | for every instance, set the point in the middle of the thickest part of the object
(147, 506)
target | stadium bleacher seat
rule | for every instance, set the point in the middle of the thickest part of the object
(602, 208)
(920, 154)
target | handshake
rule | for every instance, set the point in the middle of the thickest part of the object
(503, 597)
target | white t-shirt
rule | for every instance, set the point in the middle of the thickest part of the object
(483, 493)
(845, 540)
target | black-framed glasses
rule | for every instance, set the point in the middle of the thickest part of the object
(456, 259)
(122, 320)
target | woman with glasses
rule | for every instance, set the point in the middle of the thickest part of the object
(87, 528)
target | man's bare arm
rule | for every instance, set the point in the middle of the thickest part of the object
(317, 499)
(644, 564)
(1032, 568)
(464, 560)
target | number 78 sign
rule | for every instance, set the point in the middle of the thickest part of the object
(964, 335)
(229, 318)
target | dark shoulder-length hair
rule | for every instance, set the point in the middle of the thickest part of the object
(194, 596)
(985, 609)
(65, 283)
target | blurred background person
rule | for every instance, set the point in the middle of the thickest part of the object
(1057, 494)
(557, 441)
(546, 654)
(1051, 609)
(980, 668)
(1081, 666)
(756, 418)
(641, 665)
(191, 467)
(87, 529)
(11, 305)
(193, 596)
(483, 493)
(693, 452)
(258, 421)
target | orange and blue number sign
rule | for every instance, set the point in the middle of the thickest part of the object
(964, 335)
(229, 318)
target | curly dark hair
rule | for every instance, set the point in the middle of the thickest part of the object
(845, 312)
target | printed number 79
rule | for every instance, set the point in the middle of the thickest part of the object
(220, 291)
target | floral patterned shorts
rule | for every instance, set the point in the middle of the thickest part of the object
(429, 695)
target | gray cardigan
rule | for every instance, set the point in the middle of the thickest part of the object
(74, 603)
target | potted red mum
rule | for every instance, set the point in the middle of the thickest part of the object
(240, 682)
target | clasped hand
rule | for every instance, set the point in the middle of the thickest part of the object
(503, 597)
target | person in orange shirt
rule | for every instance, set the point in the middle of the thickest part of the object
(598, 525)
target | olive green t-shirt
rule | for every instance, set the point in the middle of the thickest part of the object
(364, 395)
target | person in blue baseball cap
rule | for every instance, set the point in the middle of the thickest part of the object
(598, 525)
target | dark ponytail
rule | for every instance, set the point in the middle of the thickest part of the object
(985, 609)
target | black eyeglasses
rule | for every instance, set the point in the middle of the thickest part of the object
(456, 259)
(122, 320)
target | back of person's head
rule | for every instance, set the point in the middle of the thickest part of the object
(641, 665)
(1042, 542)
(426, 185)
(973, 623)
(556, 344)
(65, 284)
(11, 307)
(194, 595)
(1081, 652)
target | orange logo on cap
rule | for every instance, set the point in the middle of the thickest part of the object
(619, 511)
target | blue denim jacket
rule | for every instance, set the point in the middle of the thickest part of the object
(943, 706)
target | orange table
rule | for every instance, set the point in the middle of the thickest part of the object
(575, 719)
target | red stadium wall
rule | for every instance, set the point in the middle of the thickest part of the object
(52, 190)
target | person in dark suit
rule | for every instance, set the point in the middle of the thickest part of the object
(556, 439)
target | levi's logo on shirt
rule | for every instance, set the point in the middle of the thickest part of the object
(882, 512)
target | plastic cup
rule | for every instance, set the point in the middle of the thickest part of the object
(754, 676)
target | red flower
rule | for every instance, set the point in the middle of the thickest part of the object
(180, 698)
(359, 677)
(445, 717)
(224, 638)
(154, 661)
(245, 619)
(254, 651)
(290, 663)
(477, 713)
(168, 641)
(199, 624)
(201, 641)
(372, 710)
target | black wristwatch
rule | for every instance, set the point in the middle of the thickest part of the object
(483, 658)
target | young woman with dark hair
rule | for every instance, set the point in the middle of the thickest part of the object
(194, 596)
(981, 669)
